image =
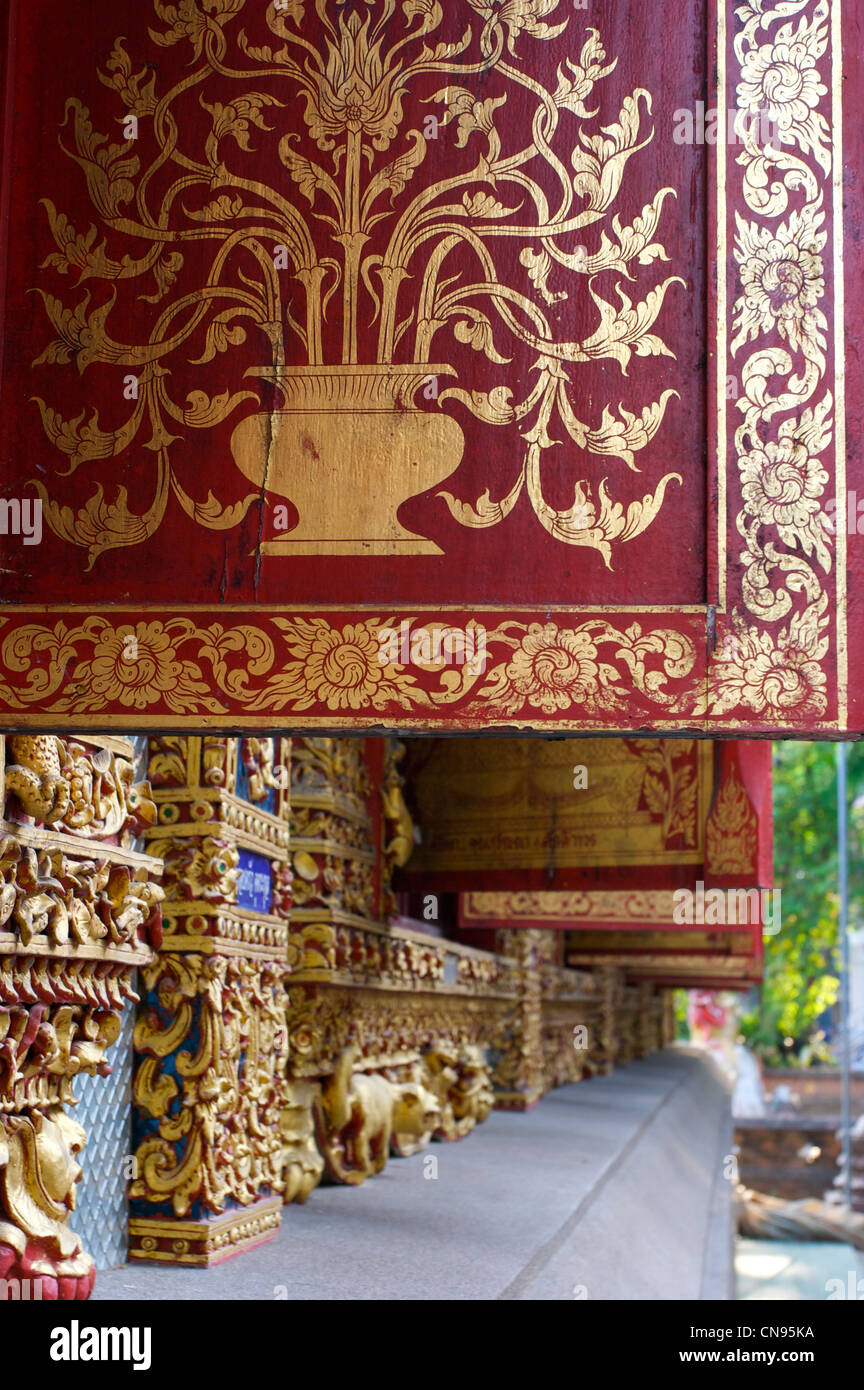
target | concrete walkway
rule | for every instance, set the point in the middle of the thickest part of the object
(612, 1188)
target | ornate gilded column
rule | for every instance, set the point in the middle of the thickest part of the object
(648, 1018)
(570, 1011)
(334, 848)
(393, 1033)
(627, 1024)
(606, 1042)
(519, 1075)
(210, 1042)
(555, 1025)
(79, 912)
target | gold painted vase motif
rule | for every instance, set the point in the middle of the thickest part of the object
(347, 448)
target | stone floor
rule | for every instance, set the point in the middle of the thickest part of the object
(612, 1188)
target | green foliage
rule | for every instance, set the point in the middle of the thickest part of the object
(682, 1025)
(802, 961)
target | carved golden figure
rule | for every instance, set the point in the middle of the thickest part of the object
(39, 1171)
(459, 1077)
(303, 1162)
(258, 756)
(36, 778)
(416, 1116)
(90, 791)
(357, 1114)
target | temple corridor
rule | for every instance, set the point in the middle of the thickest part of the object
(546, 1205)
(276, 989)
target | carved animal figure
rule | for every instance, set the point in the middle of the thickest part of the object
(443, 1073)
(416, 1114)
(460, 1078)
(356, 1113)
(36, 777)
(475, 1086)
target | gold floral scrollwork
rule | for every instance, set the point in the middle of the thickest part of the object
(594, 667)
(217, 1140)
(352, 226)
(582, 671)
(779, 340)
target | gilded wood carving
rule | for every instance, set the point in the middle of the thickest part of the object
(500, 276)
(79, 912)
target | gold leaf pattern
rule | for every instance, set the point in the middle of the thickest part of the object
(778, 674)
(771, 664)
(353, 92)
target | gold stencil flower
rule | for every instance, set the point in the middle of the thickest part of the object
(782, 80)
(554, 669)
(337, 667)
(138, 667)
(777, 677)
(189, 20)
(783, 482)
(782, 485)
(356, 92)
(343, 667)
(784, 680)
(782, 279)
(517, 15)
(577, 83)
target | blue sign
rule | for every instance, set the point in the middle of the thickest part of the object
(255, 886)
